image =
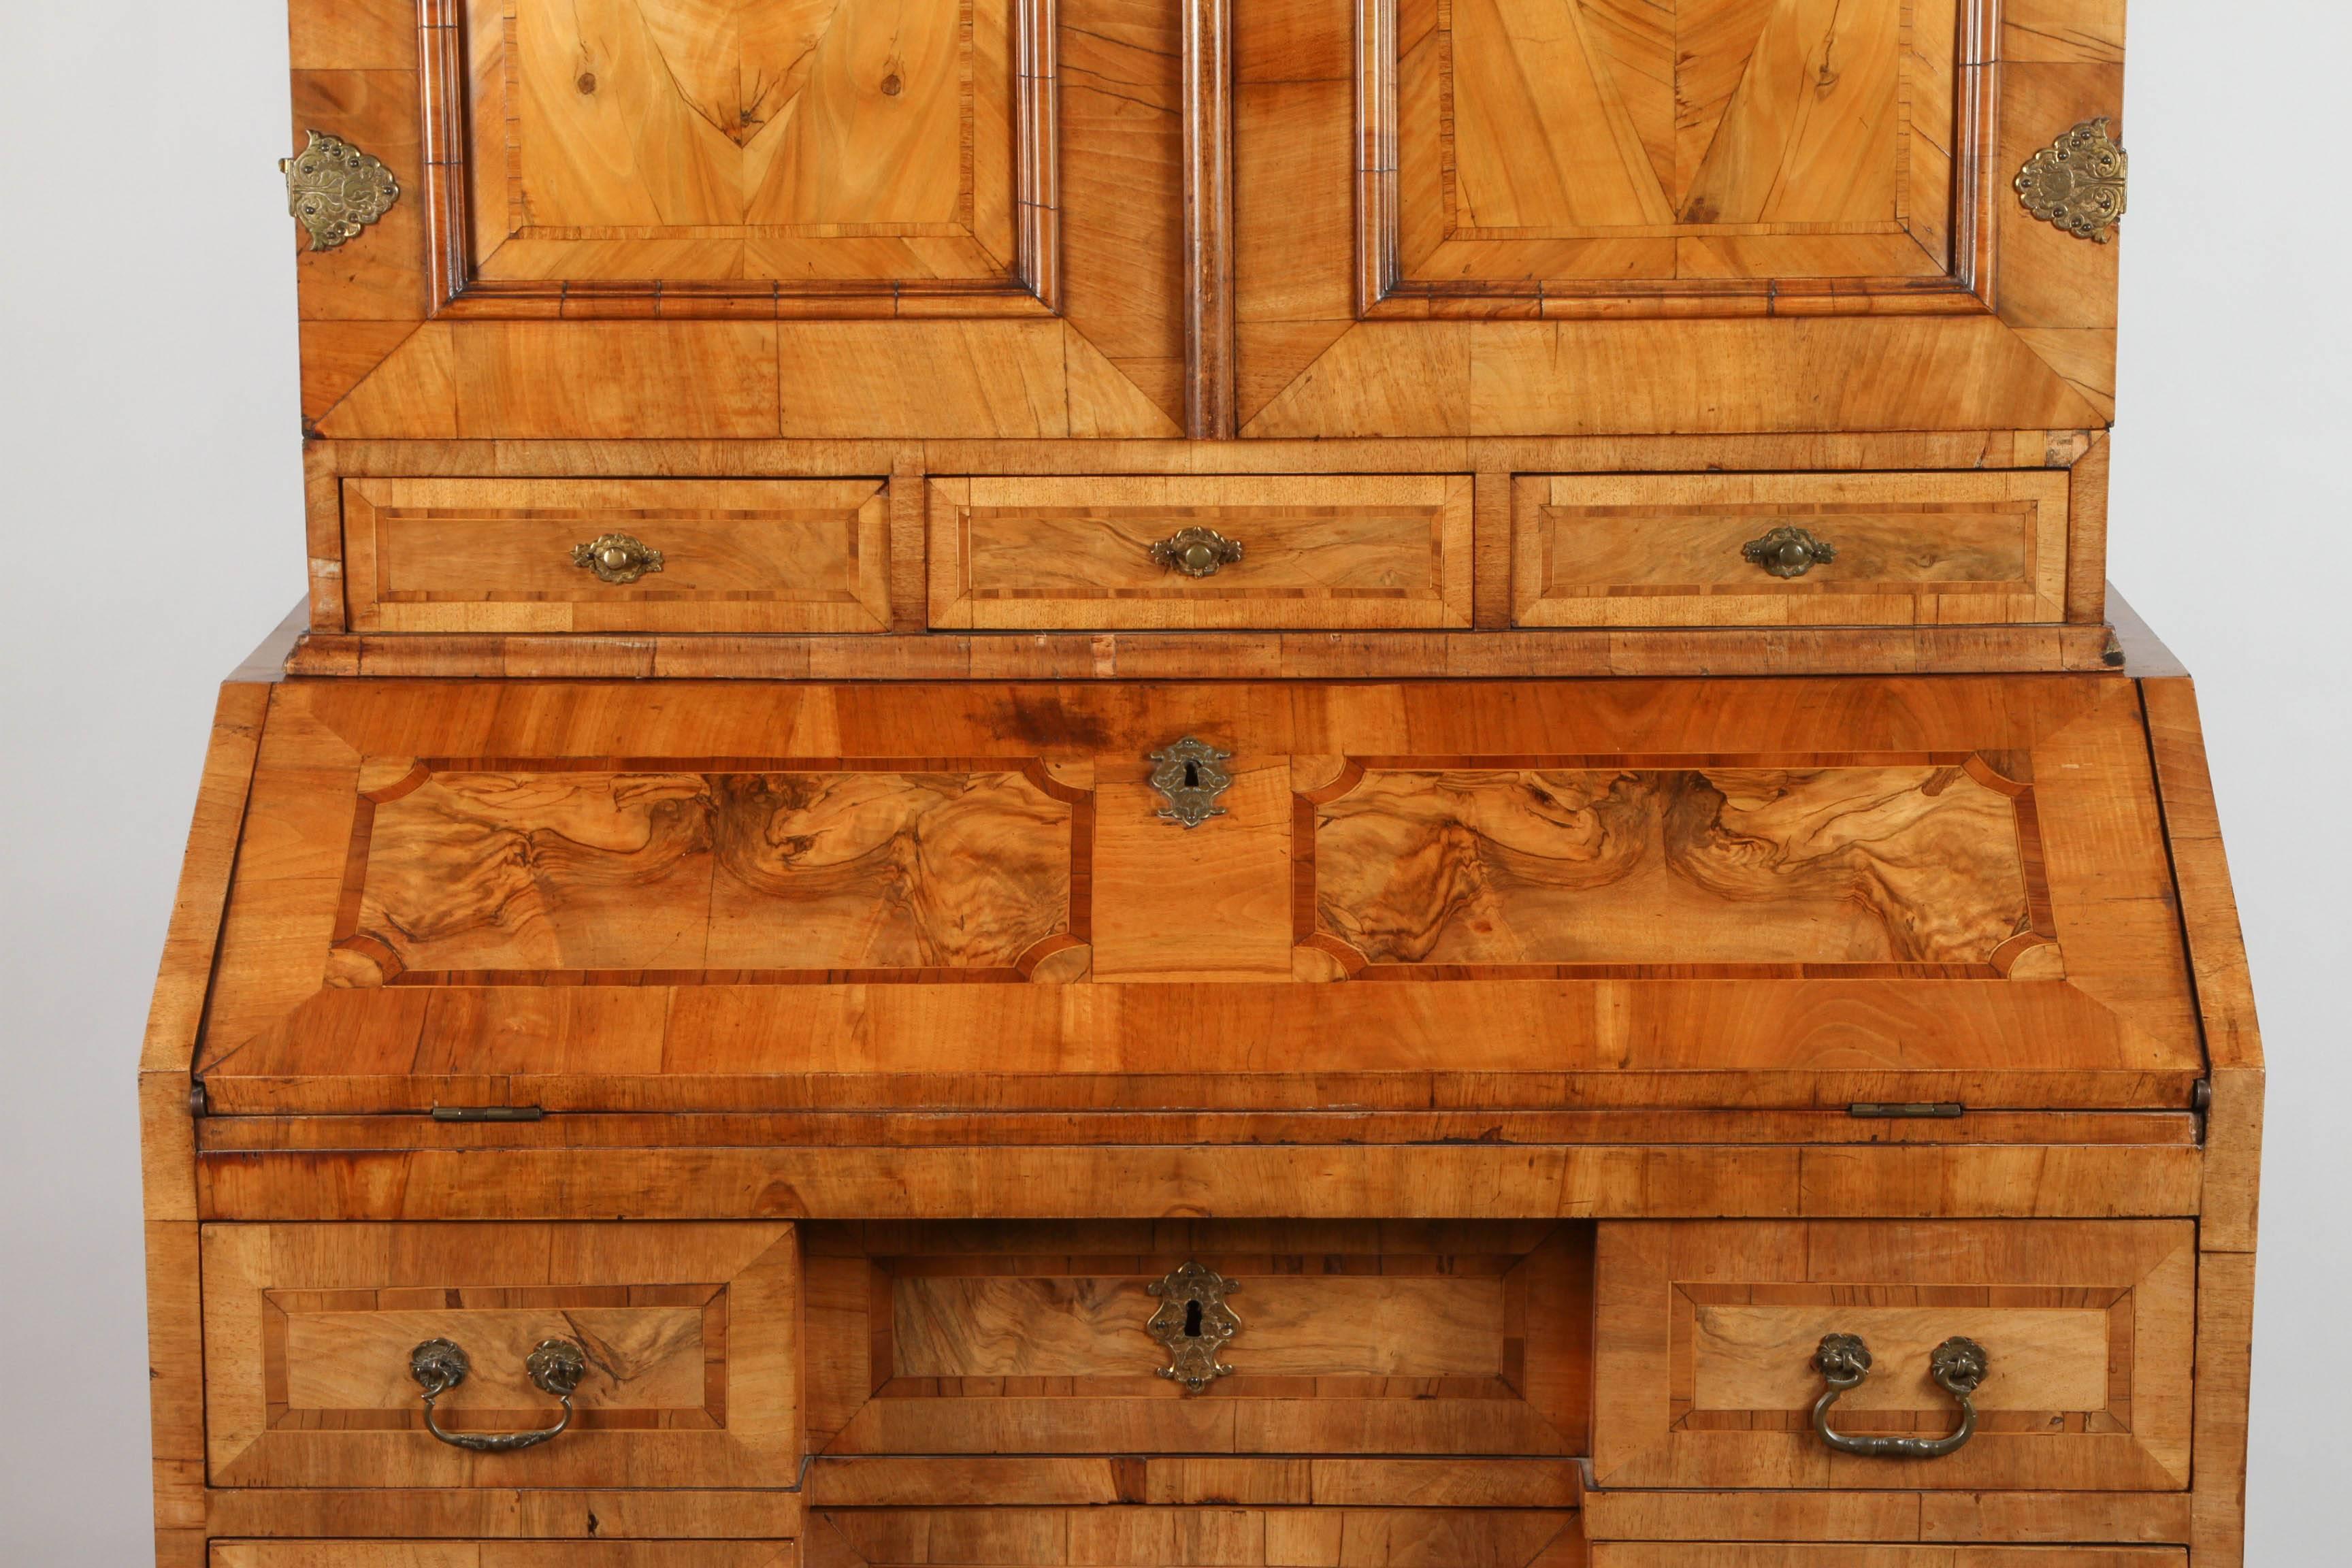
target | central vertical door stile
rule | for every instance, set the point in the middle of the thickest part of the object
(1208, 220)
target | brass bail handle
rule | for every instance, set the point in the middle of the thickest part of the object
(1957, 1366)
(556, 1367)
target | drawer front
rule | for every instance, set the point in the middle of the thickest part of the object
(1706, 1336)
(689, 1332)
(1706, 550)
(504, 1554)
(1147, 1537)
(1338, 551)
(498, 555)
(1785, 1554)
(1019, 1338)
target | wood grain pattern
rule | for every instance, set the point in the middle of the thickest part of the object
(536, 1514)
(462, 871)
(1911, 548)
(1932, 867)
(2141, 1518)
(462, 556)
(1659, 1554)
(708, 1394)
(1360, 1338)
(1323, 551)
(2118, 1030)
(1704, 1332)
(1197, 1538)
(504, 1554)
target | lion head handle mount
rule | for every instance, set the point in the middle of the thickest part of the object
(1957, 1366)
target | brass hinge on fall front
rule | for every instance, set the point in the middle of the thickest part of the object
(488, 1113)
(1908, 1110)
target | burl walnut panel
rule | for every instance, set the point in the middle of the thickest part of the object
(465, 873)
(1933, 867)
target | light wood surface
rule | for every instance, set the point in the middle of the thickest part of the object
(1022, 553)
(504, 1554)
(1911, 549)
(1704, 1334)
(692, 1334)
(1196, 1538)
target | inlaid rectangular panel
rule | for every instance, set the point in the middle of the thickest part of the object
(672, 870)
(975, 1339)
(1921, 866)
(1199, 1537)
(709, 155)
(518, 555)
(504, 1554)
(1618, 549)
(690, 1334)
(1813, 1554)
(1288, 551)
(1712, 145)
(1707, 1330)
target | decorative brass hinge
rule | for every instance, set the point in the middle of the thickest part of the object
(1187, 776)
(1908, 1110)
(2077, 183)
(1193, 1324)
(335, 190)
(488, 1113)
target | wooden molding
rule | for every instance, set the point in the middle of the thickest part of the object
(1209, 408)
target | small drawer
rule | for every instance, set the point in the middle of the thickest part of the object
(1130, 1536)
(1743, 550)
(1340, 551)
(1709, 1340)
(1811, 1554)
(685, 1340)
(616, 555)
(504, 1554)
(1211, 1338)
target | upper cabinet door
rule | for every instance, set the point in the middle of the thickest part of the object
(1566, 216)
(744, 218)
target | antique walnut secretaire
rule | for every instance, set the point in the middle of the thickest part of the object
(1204, 784)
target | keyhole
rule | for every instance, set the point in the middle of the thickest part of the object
(1192, 781)
(1192, 1309)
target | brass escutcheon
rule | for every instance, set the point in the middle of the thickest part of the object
(2078, 182)
(1188, 778)
(617, 558)
(1193, 1324)
(1957, 1366)
(334, 190)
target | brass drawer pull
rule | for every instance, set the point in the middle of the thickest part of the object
(1193, 1323)
(1196, 552)
(617, 558)
(1788, 551)
(1957, 1366)
(556, 1367)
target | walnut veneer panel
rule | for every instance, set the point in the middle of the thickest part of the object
(1369, 1339)
(1743, 1554)
(1912, 548)
(1202, 1537)
(751, 555)
(1594, 140)
(1705, 1333)
(692, 1334)
(1355, 551)
(1922, 889)
(504, 1554)
(644, 140)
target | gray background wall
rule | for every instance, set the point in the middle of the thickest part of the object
(151, 533)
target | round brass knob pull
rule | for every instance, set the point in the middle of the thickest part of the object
(1957, 1366)
(556, 1367)
(1788, 551)
(1196, 552)
(616, 557)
